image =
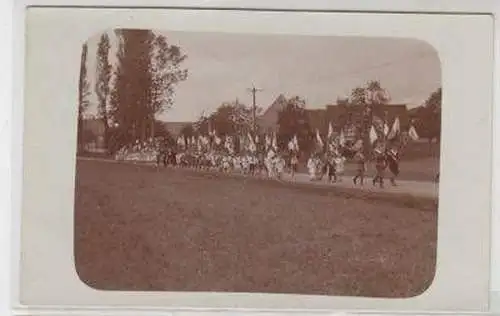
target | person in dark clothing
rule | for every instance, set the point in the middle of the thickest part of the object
(332, 169)
(171, 157)
(360, 168)
(294, 164)
(380, 166)
(393, 164)
(161, 155)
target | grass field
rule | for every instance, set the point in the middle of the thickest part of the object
(177, 230)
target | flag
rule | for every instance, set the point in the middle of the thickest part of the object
(275, 142)
(205, 140)
(252, 147)
(229, 144)
(330, 130)
(342, 138)
(199, 142)
(293, 144)
(318, 139)
(217, 139)
(243, 142)
(396, 126)
(358, 145)
(373, 135)
(268, 141)
(181, 141)
(413, 133)
(250, 138)
(386, 129)
(296, 142)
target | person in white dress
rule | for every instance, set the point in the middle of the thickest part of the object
(311, 167)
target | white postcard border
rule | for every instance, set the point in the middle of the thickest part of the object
(210, 3)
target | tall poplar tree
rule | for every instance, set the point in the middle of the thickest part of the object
(83, 93)
(148, 70)
(102, 83)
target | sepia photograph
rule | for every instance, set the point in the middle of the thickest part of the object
(223, 162)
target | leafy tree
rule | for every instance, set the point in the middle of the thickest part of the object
(358, 96)
(129, 102)
(433, 103)
(293, 120)
(376, 94)
(372, 93)
(161, 130)
(230, 118)
(146, 75)
(83, 93)
(427, 119)
(102, 84)
(166, 73)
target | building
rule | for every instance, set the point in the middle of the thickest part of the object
(92, 138)
(267, 122)
(175, 128)
(318, 119)
(347, 116)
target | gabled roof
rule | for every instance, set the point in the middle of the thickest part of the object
(269, 118)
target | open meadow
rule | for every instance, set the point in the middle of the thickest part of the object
(137, 228)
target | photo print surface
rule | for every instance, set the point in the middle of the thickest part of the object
(221, 162)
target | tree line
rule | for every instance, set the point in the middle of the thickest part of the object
(139, 83)
(132, 89)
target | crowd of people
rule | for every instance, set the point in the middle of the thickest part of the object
(141, 151)
(326, 163)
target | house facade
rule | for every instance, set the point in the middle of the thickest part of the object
(346, 116)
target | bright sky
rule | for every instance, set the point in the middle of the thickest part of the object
(223, 66)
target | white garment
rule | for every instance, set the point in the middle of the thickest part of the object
(339, 164)
(279, 165)
(311, 167)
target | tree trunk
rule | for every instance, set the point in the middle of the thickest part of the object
(143, 130)
(106, 133)
(152, 128)
(79, 145)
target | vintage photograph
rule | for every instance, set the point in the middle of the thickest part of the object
(224, 162)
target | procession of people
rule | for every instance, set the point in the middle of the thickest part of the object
(260, 155)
